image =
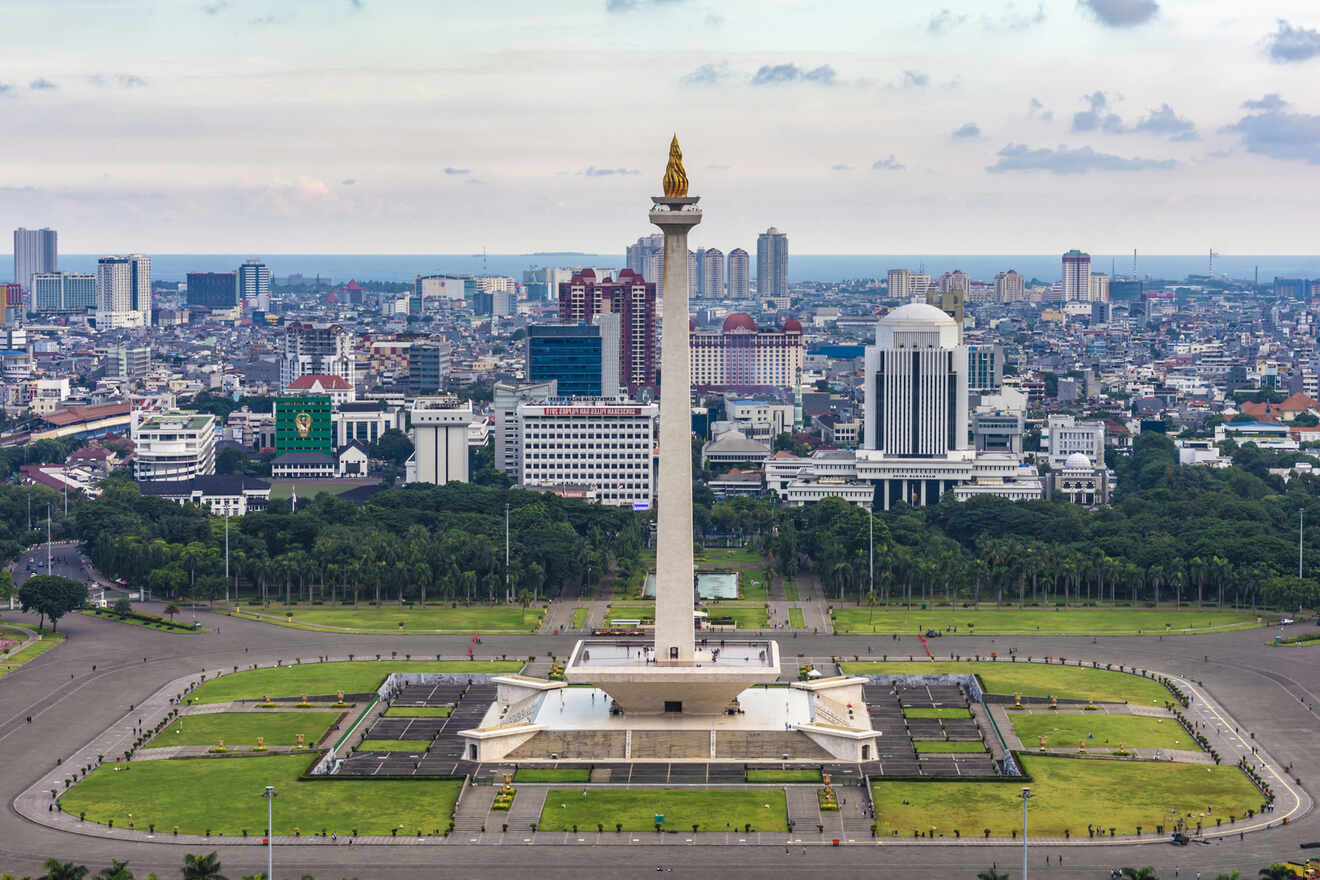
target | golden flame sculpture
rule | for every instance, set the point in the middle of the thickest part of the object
(676, 182)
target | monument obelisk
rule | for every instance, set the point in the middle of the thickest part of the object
(675, 213)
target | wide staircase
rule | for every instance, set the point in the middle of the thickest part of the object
(579, 744)
(767, 745)
(648, 744)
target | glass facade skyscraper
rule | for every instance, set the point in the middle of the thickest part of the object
(568, 353)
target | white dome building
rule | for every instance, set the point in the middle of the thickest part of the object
(916, 446)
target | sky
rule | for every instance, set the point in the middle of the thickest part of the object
(417, 126)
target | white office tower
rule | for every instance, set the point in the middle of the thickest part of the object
(508, 396)
(772, 264)
(899, 282)
(739, 275)
(1076, 276)
(35, 250)
(918, 286)
(312, 348)
(440, 439)
(915, 446)
(602, 448)
(1099, 291)
(172, 446)
(123, 292)
(254, 285)
(712, 273)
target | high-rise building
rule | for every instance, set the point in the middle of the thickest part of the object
(918, 286)
(1099, 288)
(1125, 291)
(985, 367)
(1009, 287)
(213, 290)
(605, 445)
(254, 285)
(772, 264)
(128, 361)
(915, 444)
(639, 255)
(11, 303)
(745, 357)
(440, 438)
(63, 292)
(319, 348)
(428, 367)
(712, 273)
(633, 299)
(739, 275)
(950, 301)
(1065, 436)
(900, 281)
(172, 445)
(570, 354)
(123, 291)
(507, 397)
(35, 250)
(1076, 276)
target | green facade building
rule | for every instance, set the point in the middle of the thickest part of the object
(302, 424)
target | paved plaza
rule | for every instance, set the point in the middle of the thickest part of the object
(1252, 689)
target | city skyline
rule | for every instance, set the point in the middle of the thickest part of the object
(1103, 127)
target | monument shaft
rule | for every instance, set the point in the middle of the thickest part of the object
(674, 634)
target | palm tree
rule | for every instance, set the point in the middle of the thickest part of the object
(1276, 872)
(171, 609)
(1146, 873)
(206, 867)
(992, 874)
(117, 871)
(57, 870)
(1236, 875)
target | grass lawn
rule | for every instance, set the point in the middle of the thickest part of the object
(795, 618)
(947, 712)
(752, 586)
(224, 795)
(412, 746)
(1067, 794)
(388, 617)
(307, 489)
(636, 810)
(764, 776)
(944, 747)
(320, 679)
(733, 556)
(1076, 621)
(241, 729)
(10, 662)
(791, 593)
(753, 617)
(418, 711)
(579, 618)
(1108, 731)
(550, 774)
(1039, 680)
(644, 613)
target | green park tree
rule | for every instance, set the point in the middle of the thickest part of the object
(51, 596)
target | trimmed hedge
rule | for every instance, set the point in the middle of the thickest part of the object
(144, 618)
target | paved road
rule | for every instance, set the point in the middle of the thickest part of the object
(1267, 688)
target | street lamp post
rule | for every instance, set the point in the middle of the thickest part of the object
(1026, 796)
(1301, 527)
(270, 831)
(870, 516)
(226, 557)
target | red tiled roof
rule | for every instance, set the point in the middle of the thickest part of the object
(74, 414)
(311, 380)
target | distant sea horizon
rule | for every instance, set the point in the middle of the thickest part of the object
(340, 268)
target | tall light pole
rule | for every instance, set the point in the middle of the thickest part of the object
(270, 832)
(47, 539)
(226, 557)
(870, 516)
(1026, 796)
(1301, 526)
(508, 597)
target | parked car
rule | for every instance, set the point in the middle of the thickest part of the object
(933, 634)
